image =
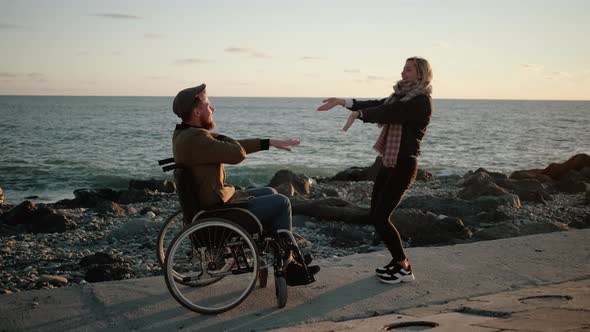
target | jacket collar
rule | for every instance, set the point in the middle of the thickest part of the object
(185, 126)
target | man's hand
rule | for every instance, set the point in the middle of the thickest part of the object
(330, 103)
(284, 144)
(353, 116)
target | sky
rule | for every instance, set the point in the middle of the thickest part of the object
(513, 49)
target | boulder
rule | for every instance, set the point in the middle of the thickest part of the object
(136, 196)
(577, 162)
(37, 219)
(482, 176)
(104, 267)
(359, 173)
(301, 184)
(479, 189)
(424, 175)
(1, 196)
(535, 174)
(530, 190)
(106, 207)
(108, 272)
(137, 227)
(572, 182)
(91, 197)
(101, 258)
(427, 228)
(163, 186)
(331, 208)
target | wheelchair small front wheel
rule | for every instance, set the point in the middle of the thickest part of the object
(212, 249)
(263, 277)
(281, 290)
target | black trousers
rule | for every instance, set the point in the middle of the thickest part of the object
(388, 190)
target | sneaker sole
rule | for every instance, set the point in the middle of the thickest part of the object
(408, 278)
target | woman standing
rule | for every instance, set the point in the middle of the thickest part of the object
(403, 118)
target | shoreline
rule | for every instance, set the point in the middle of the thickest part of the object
(331, 218)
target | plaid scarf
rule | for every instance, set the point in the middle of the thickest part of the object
(387, 145)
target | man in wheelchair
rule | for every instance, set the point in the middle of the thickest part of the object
(204, 154)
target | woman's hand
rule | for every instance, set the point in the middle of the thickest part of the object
(284, 144)
(353, 116)
(330, 103)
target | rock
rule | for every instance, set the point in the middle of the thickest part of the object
(493, 202)
(359, 173)
(285, 189)
(147, 209)
(500, 231)
(424, 175)
(1, 196)
(101, 258)
(535, 174)
(52, 279)
(587, 196)
(299, 182)
(36, 219)
(153, 185)
(577, 162)
(90, 197)
(108, 272)
(482, 176)
(331, 209)
(137, 227)
(572, 182)
(135, 196)
(478, 189)
(107, 207)
(428, 228)
(530, 190)
(580, 223)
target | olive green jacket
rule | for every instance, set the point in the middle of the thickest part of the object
(196, 149)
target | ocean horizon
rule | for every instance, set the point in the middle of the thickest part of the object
(52, 145)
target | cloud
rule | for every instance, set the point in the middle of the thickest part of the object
(558, 75)
(377, 78)
(190, 61)
(117, 16)
(151, 35)
(253, 53)
(310, 58)
(237, 50)
(259, 55)
(9, 26)
(352, 71)
(533, 67)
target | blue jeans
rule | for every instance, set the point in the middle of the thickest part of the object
(271, 208)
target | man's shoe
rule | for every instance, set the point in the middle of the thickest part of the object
(397, 274)
(382, 271)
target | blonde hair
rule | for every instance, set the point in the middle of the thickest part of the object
(423, 67)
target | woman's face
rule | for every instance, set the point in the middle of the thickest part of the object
(410, 72)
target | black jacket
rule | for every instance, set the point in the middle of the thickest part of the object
(414, 116)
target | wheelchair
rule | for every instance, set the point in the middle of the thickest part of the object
(217, 256)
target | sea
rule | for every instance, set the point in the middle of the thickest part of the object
(52, 145)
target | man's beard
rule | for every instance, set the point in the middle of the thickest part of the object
(208, 124)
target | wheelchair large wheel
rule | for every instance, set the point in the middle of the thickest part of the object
(212, 249)
(172, 226)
